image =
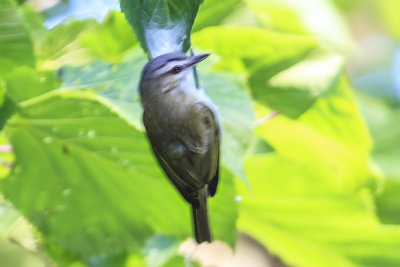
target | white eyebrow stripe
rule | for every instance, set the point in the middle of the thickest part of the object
(167, 67)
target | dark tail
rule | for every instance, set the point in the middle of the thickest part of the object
(200, 217)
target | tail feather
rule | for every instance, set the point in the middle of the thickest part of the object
(200, 217)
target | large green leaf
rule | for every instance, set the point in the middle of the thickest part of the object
(318, 17)
(253, 48)
(94, 166)
(162, 26)
(277, 16)
(25, 83)
(15, 44)
(295, 89)
(297, 211)
(310, 201)
(270, 59)
(33, 21)
(63, 46)
(213, 12)
(117, 83)
(332, 132)
(111, 40)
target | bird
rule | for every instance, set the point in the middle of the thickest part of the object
(182, 125)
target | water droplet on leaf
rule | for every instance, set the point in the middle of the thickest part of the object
(67, 192)
(91, 134)
(48, 140)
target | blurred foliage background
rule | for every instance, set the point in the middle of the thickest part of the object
(316, 185)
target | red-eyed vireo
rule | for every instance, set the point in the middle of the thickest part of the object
(182, 125)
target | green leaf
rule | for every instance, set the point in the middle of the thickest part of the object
(25, 83)
(382, 120)
(94, 166)
(116, 83)
(111, 40)
(310, 201)
(331, 131)
(388, 201)
(34, 21)
(213, 12)
(253, 49)
(263, 55)
(388, 14)
(6, 111)
(277, 16)
(162, 26)
(62, 46)
(15, 44)
(298, 212)
(2, 93)
(317, 17)
(295, 89)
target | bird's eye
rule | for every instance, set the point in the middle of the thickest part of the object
(176, 69)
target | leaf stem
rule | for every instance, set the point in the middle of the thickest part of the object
(265, 119)
(195, 74)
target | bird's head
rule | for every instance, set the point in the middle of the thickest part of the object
(167, 71)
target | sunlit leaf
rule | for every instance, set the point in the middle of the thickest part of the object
(213, 12)
(331, 132)
(62, 46)
(25, 83)
(264, 54)
(296, 210)
(117, 83)
(15, 44)
(161, 26)
(310, 201)
(277, 16)
(33, 21)
(388, 10)
(102, 173)
(111, 40)
(382, 120)
(295, 89)
(318, 17)
(252, 49)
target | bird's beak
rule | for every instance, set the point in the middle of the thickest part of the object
(198, 58)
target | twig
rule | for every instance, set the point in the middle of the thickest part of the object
(265, 119)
